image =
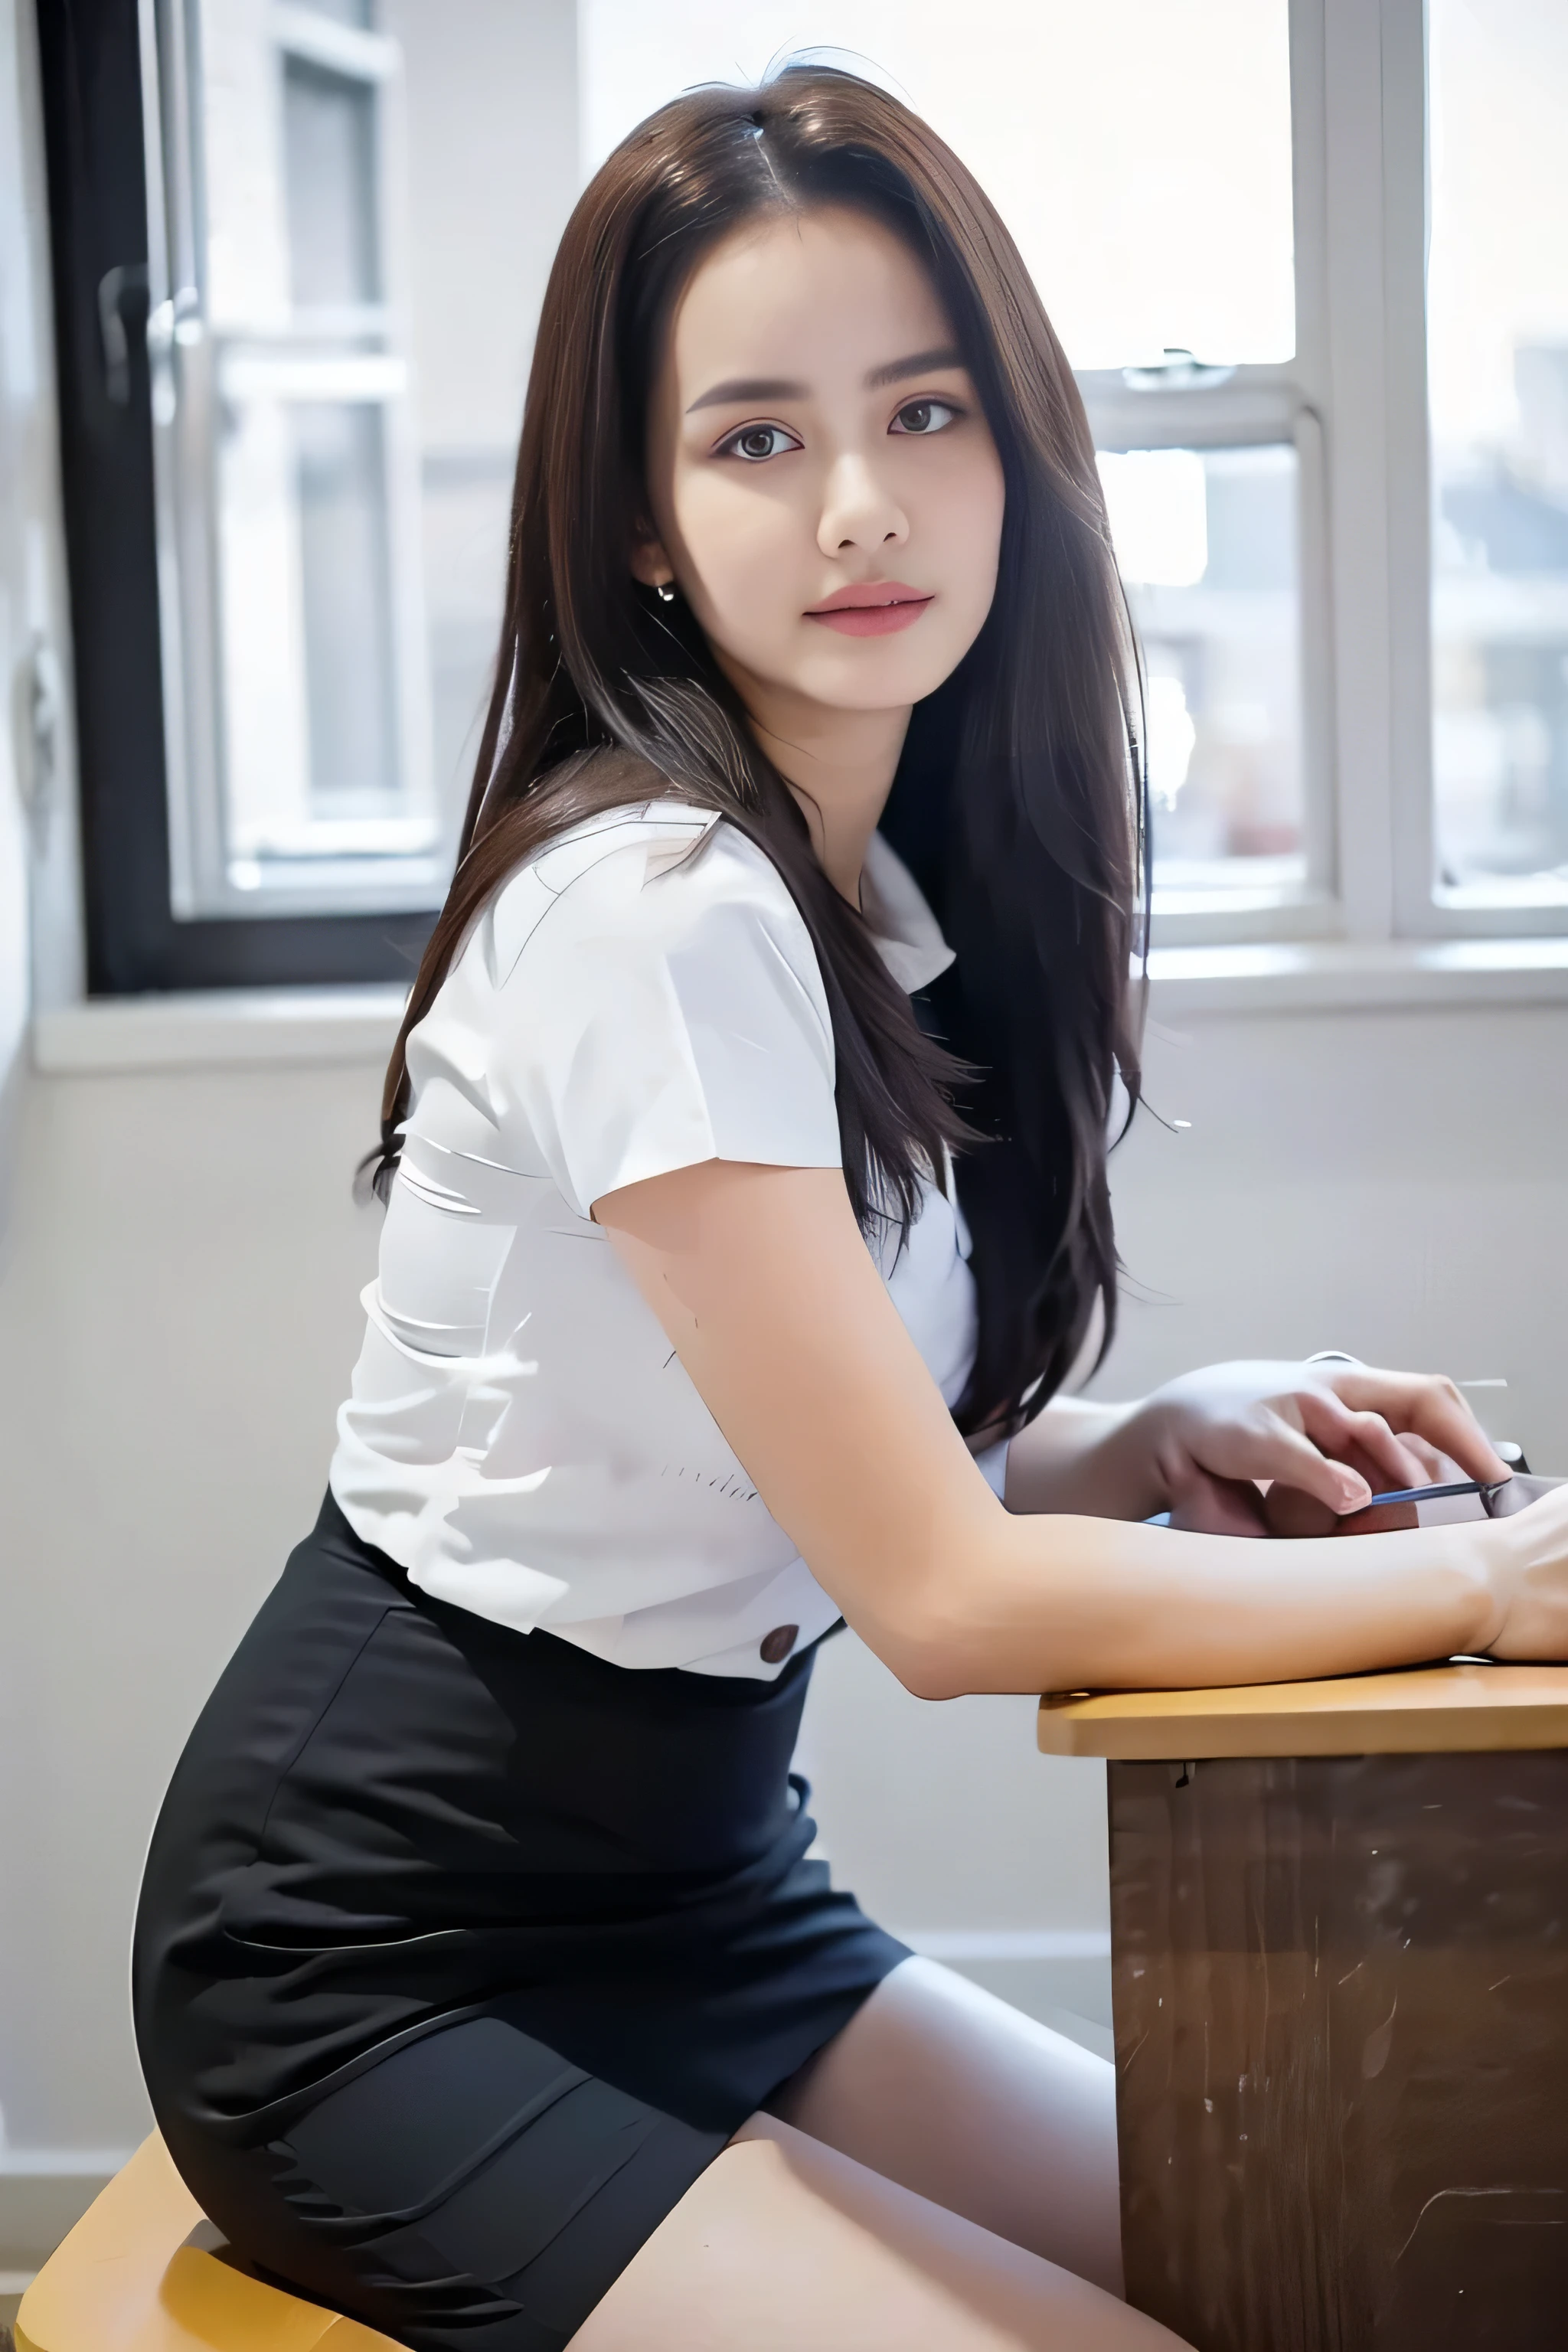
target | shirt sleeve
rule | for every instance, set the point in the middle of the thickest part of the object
(661, 1003)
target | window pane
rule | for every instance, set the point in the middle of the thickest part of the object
(1206, 543)
(1138, 151)
(1497, 299)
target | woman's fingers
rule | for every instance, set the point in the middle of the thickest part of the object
(1289, 1512)
(1438, 1469)
(1289, 1453)
(1363, 1438)
(1426, 1405)
(1364, 1448)
(1337, 1434)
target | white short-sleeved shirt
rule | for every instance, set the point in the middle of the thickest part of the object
(519, 1438)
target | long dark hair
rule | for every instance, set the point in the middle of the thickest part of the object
(1017, 801)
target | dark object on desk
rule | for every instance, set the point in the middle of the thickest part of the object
(1516, 1494)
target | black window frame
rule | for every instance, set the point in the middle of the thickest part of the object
(91, 72)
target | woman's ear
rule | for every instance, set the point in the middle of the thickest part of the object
(650, 564)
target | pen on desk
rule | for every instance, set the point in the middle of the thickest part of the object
(1428, 1494)
(1485, 1487)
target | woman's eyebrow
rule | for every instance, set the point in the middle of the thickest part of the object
(945, 355)
(749, 387)
(778, 387)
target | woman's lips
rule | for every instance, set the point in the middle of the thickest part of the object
(872, 612)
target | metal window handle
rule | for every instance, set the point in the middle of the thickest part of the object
(122, 302)
(42, 692)
(1178, 371)
(174, 324)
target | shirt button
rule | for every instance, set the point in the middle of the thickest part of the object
(776, 1646)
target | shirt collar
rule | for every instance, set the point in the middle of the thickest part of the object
(907, 935)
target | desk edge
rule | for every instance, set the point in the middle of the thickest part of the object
(1376, 1731)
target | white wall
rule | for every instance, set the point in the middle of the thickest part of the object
(177, 1321)
(1392, 1183)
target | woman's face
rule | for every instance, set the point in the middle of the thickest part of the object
(824, 486)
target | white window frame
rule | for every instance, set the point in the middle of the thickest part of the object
(1374, 153)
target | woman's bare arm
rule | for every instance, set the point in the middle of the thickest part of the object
(763, 1282)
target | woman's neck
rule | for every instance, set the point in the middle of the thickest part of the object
(839, 764)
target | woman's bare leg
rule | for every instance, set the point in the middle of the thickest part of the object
(948, 2091)
(783, 2244)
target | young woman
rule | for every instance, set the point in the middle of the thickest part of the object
(740, 1235)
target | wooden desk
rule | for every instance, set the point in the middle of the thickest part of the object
(1339, 1960)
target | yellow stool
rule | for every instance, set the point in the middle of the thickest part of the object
(134, 2277)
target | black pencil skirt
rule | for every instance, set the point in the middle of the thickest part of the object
(460, 1953)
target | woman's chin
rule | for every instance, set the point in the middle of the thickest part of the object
(875, 672)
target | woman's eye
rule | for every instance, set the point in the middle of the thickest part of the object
(755, 442)
(923, 416)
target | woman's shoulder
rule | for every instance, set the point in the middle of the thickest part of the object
(641, 994)
(662, 873)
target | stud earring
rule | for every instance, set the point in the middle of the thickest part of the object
(666, 591)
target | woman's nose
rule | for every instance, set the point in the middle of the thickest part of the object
(859, 510)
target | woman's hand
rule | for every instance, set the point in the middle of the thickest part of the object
(1325, 1436)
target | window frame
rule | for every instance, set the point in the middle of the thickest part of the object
(90, 60)
(196, 360)
(1260, 407)
(1354, 401)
